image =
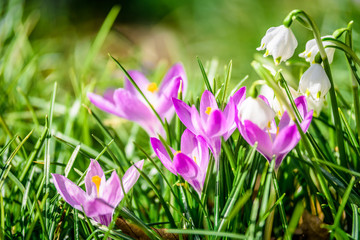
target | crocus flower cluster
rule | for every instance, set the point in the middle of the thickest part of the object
(211, 122)
(256, 123)
(128, 103)
(191, 162)
(101, 196)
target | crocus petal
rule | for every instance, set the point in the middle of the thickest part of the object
(164, 105)
(105, 104)
(207, 105)
(132, 175)
(112, 192)
(175, 71)
(285, 142)
(301, 105)
(109, 95)
(137, 111)
(97, 207)
(215, 124)
(255, 134)
(139, 79)
(239, 96)
(189, 170)
(184, 113)
(103, 219)
(188, 142)
(162, 154)
(94, 170)
(69, 191)
(203, 152)
(197, 121)
(229, 115)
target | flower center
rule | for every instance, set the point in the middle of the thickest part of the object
(208, 110)
(176, 153)
(97, 180)
(195, 159)
(152, 87)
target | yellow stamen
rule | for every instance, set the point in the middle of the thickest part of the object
(277, 131)
(266, 53)
(279, 113)
(268, 129)
(195, 159)
(208, 110)
(309, 54)
(307, 92)
(97, 180)
(318, 95)
(176, 153)
(152, 87)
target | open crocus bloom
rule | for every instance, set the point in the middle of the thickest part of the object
(128, 103)
(256, 123)
(211, 123)
(101, 196)
(279, 42)
(191, 162)
(311, 50)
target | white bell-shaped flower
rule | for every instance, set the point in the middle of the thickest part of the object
(315, 105)
(314, 82)
(256, 111)
(311, 50)
(279, 42)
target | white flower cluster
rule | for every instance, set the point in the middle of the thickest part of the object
(281, 43)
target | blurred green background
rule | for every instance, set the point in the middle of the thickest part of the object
(43, 42)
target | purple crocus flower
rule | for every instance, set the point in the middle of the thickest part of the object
(256, 123)
(211, 123)
(128, 103)
(191, 162)
(101, 196)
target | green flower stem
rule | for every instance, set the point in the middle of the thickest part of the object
(281, 207)
(302, 17)
(264, 73)
(354, 78)
(265, 197)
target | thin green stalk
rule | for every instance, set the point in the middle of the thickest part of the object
(354, 84)
(342, 206)
(298, 14)
(281, 207)
(206, 80)
(35, 152)
(227, 80)
(355, 222)
(2, 214)
(265, 198)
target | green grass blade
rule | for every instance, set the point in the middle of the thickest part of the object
(100, 38)
(206, 80)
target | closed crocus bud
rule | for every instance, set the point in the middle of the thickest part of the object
(311, 50)
(314, 82)
(279, 42)
(256, 111)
